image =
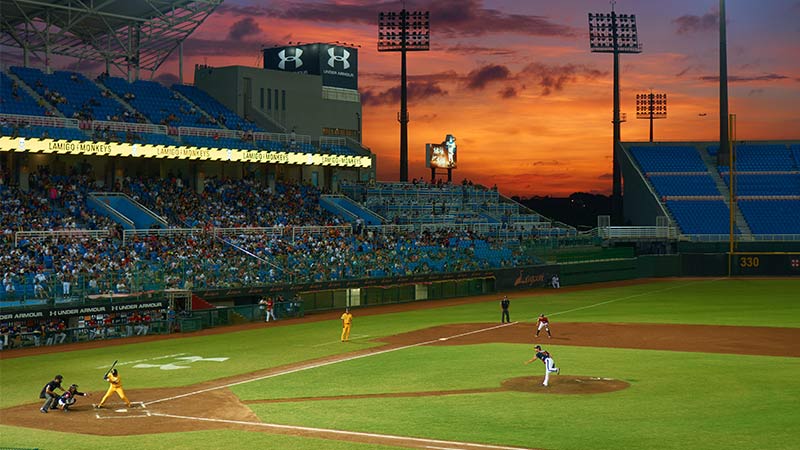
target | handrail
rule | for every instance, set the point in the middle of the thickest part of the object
(150, 212)
(127, 126)
(109, 208)
(55, 233)
(46, 121)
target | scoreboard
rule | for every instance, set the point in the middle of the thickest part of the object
(765, 264)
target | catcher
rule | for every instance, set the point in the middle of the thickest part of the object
(68, 399)
(115, 385)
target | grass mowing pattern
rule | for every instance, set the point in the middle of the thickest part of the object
(677, 400)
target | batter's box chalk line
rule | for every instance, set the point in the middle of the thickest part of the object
(138, 410)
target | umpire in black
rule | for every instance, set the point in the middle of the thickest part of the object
(504, 303)
(49, 393)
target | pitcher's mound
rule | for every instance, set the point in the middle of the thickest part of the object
(565, 384)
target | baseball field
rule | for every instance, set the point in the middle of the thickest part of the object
(648, 364)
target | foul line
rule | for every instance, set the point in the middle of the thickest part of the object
(326, 363)
(341, 432)
(381, 352)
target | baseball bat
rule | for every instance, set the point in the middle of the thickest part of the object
(110, 369)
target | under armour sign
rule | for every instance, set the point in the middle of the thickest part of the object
(298, 52)
(343, 58)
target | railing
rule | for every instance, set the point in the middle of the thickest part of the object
(127, 126)
(93, 200)
(19, 235)
(44, 121)
(638, 232)
(741, 238)
(328, 140)
(129, 234)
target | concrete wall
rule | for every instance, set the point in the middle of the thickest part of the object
(300, 103)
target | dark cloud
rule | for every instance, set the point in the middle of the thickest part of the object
(478, 50)
(449, 17)
(690, 24)
(605, 176)
(508, 92)
(554, 77)
(417, 91)
(479, 78)
(683, 72)
(167, 79)
(741, 79)
(243, 29)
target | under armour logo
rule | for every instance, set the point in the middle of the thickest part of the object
(343, 57)
(298, 52)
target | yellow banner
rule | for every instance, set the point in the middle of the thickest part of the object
(89, 148)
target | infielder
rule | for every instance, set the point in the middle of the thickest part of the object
(549, 364)
(68, 399)
(347, 321)
(543, 322)
(115, 385)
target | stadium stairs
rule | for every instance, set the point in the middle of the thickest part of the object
(113, 95)
(199, 109)
(140, 216)
(32, 94)
(711, 164)
(347, 208)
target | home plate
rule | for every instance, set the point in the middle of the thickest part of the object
(121, 410)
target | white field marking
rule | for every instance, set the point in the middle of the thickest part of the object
(629, 297)
(146, 359)
(345, 433)
(121, 416)
(324, 363)
(352, 338)
(441, 448)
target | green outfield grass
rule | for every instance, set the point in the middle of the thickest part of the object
(676, 400)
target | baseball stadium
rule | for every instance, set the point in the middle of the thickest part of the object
(226, 252)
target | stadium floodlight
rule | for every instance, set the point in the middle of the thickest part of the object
(406, 31)
(651, 106)
(614, 33)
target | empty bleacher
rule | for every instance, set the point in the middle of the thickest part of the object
(207, 103)
(767, 187)
(15, 100)
(73, 95)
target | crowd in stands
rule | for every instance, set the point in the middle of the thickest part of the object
(227, 203)
(63, 267)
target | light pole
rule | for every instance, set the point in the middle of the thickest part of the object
(403, 32)
(614, 33)
(651, 106)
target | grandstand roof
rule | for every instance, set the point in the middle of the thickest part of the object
(111, 30)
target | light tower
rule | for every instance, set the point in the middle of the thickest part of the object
(614, 33)
(651, 106)
(406, 31)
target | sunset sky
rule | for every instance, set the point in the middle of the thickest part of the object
(515, 82)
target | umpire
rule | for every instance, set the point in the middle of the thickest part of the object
(49, 393)
(504, 304)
